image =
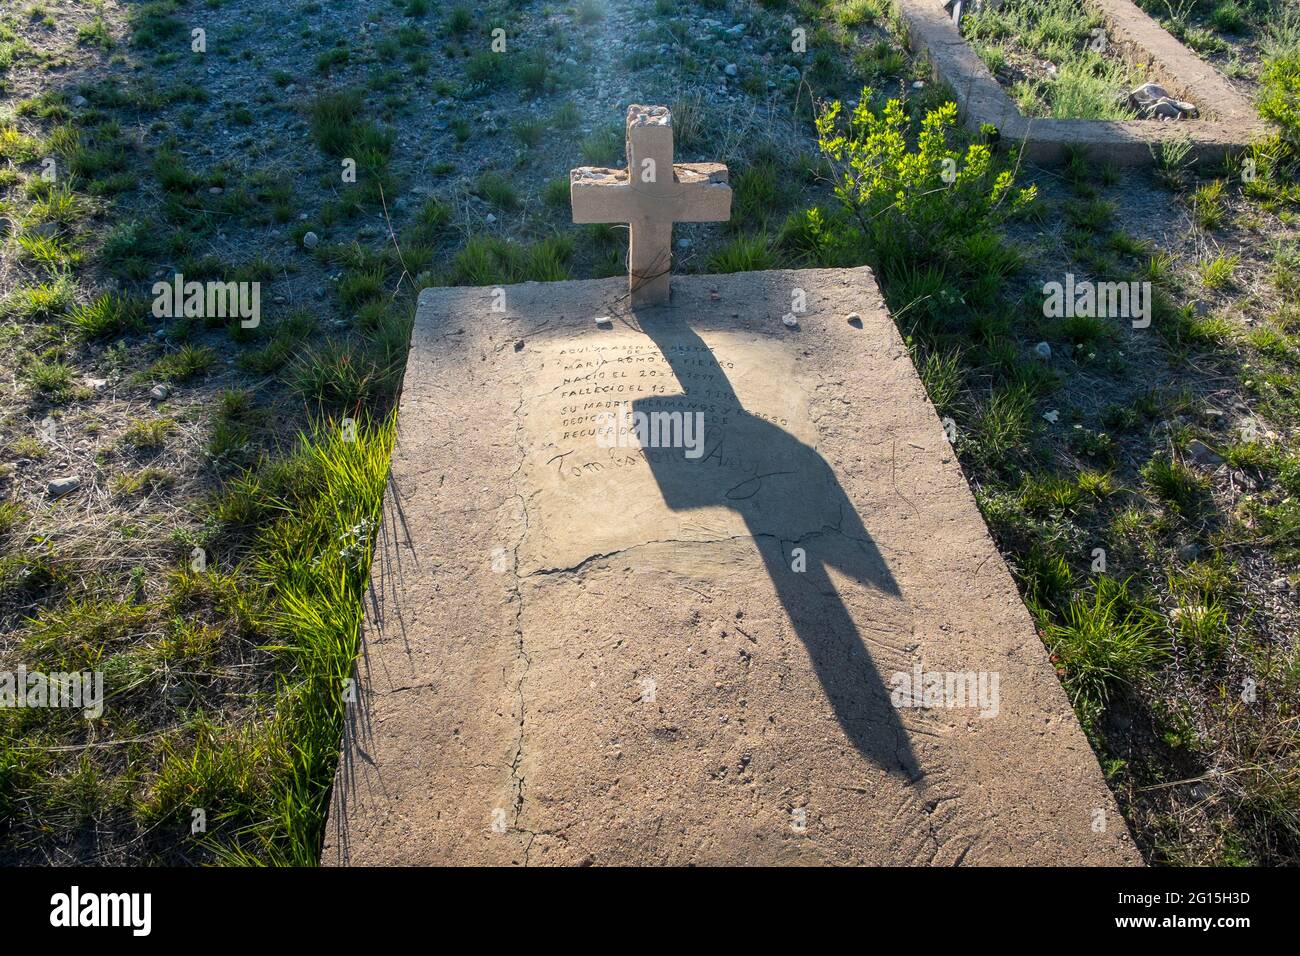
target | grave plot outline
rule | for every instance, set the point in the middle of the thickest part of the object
(468, 695)
(1231, 123)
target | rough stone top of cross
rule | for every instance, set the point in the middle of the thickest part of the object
(638, 115)
(650, 195)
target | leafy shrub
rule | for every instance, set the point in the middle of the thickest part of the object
(909, 204)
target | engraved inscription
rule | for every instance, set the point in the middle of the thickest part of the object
(590, 499)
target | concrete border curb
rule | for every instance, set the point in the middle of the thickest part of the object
(1231, 123)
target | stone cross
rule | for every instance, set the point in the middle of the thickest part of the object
(650, 195)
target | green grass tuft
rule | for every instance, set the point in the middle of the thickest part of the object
(1105, 640)
(744, 254)
(108, 316)
(185, 363)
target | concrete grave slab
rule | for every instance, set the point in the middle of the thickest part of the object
(582, 651)
(1229, 122)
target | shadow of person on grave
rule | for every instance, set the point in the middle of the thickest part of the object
(789, 498)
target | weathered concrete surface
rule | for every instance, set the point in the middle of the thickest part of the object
(594, 655)
(1230, 123)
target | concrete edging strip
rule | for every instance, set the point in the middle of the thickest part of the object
(1232, 125)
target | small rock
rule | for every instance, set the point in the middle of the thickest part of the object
(59, 487)
(1202, 453)
(731, 69)
(159, 393)
(1053, 416)
(683, 243)
(604, 321)
(790, 320)
(489, 219)
(310, 240)
(918, 85)
(1281, 584)
(44, 230)
(97, 384)
(79, 101)
(1152, 101)
(855, 320)
(570, 61)
(1172, 110)
(1043, 352)
(215, 190)
(1189, 552)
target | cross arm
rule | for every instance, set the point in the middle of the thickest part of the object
(701, 194)
(705, 196)
(598, 194)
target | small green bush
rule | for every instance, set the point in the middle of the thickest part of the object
(912, 205)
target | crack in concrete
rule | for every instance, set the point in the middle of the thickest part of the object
(762, 535)
(517, 781)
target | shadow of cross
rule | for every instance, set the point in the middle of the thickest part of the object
(650, 195)
(789, 497)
